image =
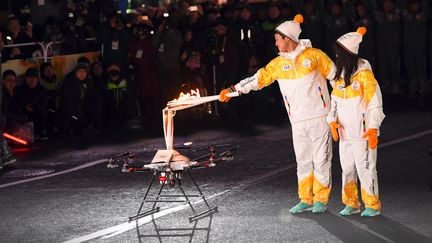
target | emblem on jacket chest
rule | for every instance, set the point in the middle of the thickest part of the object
(286, 67)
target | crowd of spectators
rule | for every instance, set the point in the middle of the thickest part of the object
(152, 53)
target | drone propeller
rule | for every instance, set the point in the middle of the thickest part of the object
(208, 147)
(123, 154)
(229, 150)
(224, 153)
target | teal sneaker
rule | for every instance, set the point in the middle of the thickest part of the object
(349, 211)
(370, 212)
(318, 207)
(301, 207)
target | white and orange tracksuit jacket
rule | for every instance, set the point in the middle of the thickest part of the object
(302, 76)
(357, 108)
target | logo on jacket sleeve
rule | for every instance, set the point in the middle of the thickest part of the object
(307, 63)
(286, 67)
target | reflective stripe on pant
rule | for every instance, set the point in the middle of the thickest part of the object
(313, 149)
(358, 160)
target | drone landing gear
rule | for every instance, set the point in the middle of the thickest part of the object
(173, 178)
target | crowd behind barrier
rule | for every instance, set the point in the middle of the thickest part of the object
(96, 65)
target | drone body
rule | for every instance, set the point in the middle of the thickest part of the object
(169, 164)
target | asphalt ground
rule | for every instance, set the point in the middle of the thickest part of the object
(61, 189)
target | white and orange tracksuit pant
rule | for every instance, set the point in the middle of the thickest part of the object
(357, 108)
(313, 150)
(302, 75)
(358, 160)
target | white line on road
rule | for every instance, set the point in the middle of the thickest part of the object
(54, 174)
(121, 228)
(404, 139)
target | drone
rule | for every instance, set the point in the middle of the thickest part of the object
(169, 165)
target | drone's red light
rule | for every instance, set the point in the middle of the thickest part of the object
(162, 178)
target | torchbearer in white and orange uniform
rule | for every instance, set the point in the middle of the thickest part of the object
(355, 116)
(301, 72)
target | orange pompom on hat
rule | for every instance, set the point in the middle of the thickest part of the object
(351, 41)
(291, 29)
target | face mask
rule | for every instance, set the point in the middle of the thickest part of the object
(114, 73)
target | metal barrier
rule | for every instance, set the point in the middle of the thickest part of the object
(24, 44)
(45, 46)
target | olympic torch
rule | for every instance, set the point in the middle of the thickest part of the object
(185, 101)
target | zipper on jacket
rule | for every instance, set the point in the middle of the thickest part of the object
(322, 97)
(295, 68)
(289, 107)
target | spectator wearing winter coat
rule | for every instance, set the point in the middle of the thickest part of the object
(10, 114)
(269, 51)
(389, 40)
(120, 97)
(6, 156)
(115, 38)
(250, 36)
(143, 59)
(51, 85)
(414, 41)
(80, 102)
(312, 27)
(168, 40)
(336, 23)
(31, 100)
(363, 18)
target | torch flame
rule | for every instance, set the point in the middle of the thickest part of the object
(191, 94)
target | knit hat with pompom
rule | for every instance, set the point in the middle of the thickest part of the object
(291, 29)
(351, 41)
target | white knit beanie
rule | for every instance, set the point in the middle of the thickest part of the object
(291, 29)
(351, 41)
